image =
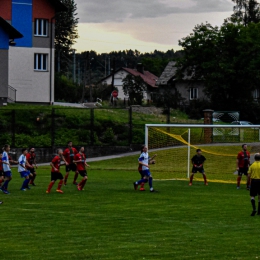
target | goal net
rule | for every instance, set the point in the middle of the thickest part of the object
(175, 145)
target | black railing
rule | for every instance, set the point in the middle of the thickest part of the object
(11, 94)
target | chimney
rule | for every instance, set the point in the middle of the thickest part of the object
(140, 68)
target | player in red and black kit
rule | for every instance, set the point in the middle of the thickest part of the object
(69, 154)
(243, 163)
(198, 161)
(31, 159)
(80, 160)
(55, 172)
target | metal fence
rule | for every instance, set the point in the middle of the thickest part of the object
(56, 126)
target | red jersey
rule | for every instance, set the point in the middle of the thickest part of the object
(243, 159)
(56, 163)
(69, 154)
(82, 158)
(30, 158)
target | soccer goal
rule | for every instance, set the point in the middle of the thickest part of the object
(175, 144)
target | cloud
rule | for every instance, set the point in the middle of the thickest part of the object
(100, 11)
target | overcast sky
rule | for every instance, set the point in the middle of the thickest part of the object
(144, 25)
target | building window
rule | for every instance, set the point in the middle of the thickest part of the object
(256, 94)
(193, 93)
(40, 62)
(41, 27)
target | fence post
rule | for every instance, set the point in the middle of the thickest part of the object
(52, 128)
(130, 125)
(92, 116)
(168, 115)
(13, 128)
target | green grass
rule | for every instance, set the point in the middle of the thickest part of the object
(109, 220)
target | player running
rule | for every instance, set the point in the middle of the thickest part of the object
(6, 168)
(146, 174)
(69, 154)
(22, 169)
(80, 160)
(254, 174)
(243, 162)
(31, 159)
(55, 172)
(198, 161)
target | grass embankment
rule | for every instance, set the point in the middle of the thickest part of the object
(109, 220)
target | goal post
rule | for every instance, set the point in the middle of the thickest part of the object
(175, 145)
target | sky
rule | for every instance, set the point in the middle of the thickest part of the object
(143, 25)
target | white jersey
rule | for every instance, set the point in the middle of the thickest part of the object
(21, 161)
(5, 158)
(144, 158)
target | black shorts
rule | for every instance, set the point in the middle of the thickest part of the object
(83, 173)
(56, 176)
(255, 187)
(195, 169)
(32, 170)
(242, 171)
(71, 167)
(1, 173)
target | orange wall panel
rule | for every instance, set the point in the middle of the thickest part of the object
(6, 9)
(43, 9)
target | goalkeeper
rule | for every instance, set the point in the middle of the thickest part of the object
(198, 161)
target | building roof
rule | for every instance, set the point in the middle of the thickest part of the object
(168, 74)
(147, 76)
(59, 6)
(9, 29)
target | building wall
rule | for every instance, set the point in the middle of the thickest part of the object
(3, 74)
(6, 9)
(31, 86)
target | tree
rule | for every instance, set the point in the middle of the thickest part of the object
(65, 32)
(226, 60)
(246, 11)
(134, 86)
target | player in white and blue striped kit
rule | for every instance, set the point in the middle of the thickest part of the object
(6, 169)
(22, 169)
(144, 161)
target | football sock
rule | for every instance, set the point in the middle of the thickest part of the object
(83, 183)
(205, 178)
(25, 183)
(5, 186)
(50, 186)
(76, 176)
(60, 184)
(140, 182)
(151, 182)
(253, 204)
(66, 178)
(238, 181)
(191, 178)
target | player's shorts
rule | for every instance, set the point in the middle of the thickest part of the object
(83, 173)
(242, 171)
(71, 167)
(32, 170)
(146, 173)
(24, 174)
(1, 173)
(195, 169)
(255, 187)
(56, 176)
(8, 174)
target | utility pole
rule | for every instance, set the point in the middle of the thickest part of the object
(109, 72)
(74, 66)
(79, 75)
(86, 63)
(113, 74)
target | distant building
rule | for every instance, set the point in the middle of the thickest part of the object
(149, 79)
(189, 89)
(29, 59)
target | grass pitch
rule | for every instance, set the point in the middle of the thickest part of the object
(109, 220)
